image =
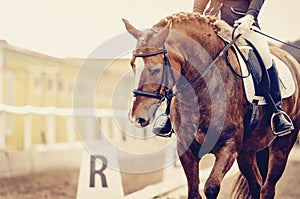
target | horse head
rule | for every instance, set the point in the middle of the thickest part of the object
(165, 54)
(150, 64)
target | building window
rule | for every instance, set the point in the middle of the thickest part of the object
(38, 84)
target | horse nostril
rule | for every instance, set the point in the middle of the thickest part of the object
(142, 122)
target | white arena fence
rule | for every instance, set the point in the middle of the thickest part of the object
(106, 117)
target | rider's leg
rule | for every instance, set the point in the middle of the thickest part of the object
(281, 124)
(261, 46)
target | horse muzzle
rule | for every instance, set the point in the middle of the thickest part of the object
(141, 116)
(139, 121)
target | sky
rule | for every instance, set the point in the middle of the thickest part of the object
(74, 28)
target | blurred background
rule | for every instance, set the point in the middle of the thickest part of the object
(44, 45)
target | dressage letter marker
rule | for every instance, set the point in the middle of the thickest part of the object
(94, 172)
(99, 173)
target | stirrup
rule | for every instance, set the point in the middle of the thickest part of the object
(284, 132)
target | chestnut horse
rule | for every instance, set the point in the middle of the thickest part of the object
(208, 104)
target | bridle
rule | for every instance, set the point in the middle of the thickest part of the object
(167, 93)
(167, 69)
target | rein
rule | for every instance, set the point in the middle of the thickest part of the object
(168, 94)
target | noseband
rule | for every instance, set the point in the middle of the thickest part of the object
(167, 69)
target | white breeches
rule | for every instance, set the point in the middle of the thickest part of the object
(261, 44)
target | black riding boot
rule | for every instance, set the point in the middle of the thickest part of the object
(281, 126)
(162, 125)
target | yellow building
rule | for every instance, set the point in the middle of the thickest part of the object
(30, 80)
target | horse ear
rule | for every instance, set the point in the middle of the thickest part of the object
(132, 30)
(164, 33)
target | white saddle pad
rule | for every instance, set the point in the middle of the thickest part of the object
(286, 81)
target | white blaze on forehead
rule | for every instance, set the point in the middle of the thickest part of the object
(139, 67)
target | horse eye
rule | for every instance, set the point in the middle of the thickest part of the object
(155, 71)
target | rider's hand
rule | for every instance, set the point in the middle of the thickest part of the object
(244, 24)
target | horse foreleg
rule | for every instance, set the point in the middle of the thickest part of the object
(225, 158)
(249, 168)
(279, 152)
(190, 165)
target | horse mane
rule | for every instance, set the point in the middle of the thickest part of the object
(178, 17)
(184, 17)
(220, 27)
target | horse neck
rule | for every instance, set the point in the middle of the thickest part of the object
(196, 54)
(197, 49)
